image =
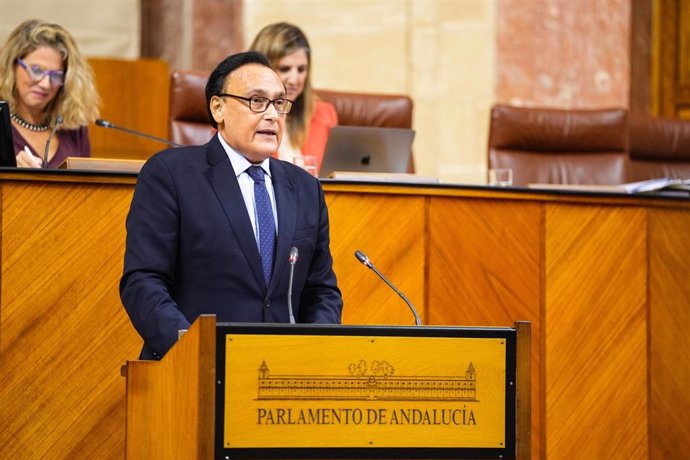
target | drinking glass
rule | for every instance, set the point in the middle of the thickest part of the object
(501, 177)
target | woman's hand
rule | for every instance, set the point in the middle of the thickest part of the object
(26, 159)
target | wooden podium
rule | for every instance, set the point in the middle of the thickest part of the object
(232, 390)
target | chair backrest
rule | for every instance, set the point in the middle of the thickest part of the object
(367, 109)
(189, 122)
(560, 146)
(659, 147)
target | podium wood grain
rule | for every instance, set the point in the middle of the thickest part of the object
(183, 401)
(603, 279)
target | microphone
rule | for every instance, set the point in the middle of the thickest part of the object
(366, 262)
(294, 255)
(107, 124)
(58, 122)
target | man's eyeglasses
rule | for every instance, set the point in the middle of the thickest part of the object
(37, 73)
(259, 104)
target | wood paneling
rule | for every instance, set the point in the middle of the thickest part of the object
(64, 334)
(390, 230)
(595, 332)
(484, 253)
(135, 95)
(669, 322)
(484, 270)
(670, 62)
(588, 271)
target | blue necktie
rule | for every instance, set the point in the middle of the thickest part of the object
(265, 224)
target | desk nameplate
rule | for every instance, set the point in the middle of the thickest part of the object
(364, 392)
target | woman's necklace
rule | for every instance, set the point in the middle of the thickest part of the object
(26, 125)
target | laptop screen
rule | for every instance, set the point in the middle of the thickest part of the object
(367, 149)
(7, 157)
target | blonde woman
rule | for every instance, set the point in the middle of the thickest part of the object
(47, 82)
(310, 119)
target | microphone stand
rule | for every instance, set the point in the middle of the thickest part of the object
(58, 122)
(293, 260)
(365, 260)
(107, 124)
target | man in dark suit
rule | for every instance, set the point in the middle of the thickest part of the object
(210, 227)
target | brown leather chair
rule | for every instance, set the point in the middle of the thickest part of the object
(560, 146)
(366, 109)
(659, 147)
(189, 124)
(189, 119)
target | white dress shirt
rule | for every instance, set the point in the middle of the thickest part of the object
(240, 164)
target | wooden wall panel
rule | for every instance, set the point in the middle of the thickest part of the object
(390, 230)
(64, 332)
(574, 265)
(484, 261)
(135, 95)
(670, 62)
(595, 332)
(669, 323)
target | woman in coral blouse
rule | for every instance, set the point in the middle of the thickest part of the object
(310, 119)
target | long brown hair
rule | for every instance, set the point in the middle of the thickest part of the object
(277, 41)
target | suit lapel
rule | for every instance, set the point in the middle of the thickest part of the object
(224, 183)
(286, 203)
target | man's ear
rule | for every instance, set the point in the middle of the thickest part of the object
(216, 106)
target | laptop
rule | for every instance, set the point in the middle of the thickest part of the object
(367, 149)
(7, 157)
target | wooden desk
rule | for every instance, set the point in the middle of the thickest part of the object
(602, 278)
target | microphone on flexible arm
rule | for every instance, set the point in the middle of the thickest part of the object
(366, 262)
(294, 255)
(107, 124)
(58, 122)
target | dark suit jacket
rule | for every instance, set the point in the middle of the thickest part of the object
(191, 249)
